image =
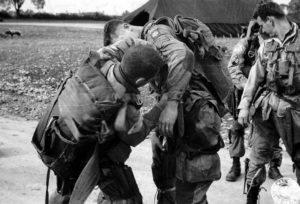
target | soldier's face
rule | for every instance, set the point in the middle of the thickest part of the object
(124, 31)
(267, 26)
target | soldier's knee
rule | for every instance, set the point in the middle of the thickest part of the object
(256, 175)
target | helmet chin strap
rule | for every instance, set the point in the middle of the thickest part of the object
(123, 79)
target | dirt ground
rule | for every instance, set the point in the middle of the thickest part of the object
(23, 175)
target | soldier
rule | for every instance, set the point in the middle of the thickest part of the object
(197, 160)
(277, 113)
(243, 57)
(139, 64)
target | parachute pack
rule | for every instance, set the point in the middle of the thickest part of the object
(79, 115)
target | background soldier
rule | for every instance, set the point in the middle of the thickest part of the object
(277, 108)
(243, 57)
(198, 163)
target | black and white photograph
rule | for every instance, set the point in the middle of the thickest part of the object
(150, 101)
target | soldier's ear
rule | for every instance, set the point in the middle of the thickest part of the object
(271, 19)
(141, 82)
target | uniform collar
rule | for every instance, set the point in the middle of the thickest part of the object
(117, 86)
(290, 36)
(292, 33)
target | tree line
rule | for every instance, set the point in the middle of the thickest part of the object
(5, 5)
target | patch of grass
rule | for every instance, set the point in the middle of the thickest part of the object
(32, 66)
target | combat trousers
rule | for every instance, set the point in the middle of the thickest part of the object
(195, 170)
(237, 147)
(267, 133)
(118, 186)
(194, 193)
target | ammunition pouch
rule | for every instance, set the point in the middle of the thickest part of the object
(117, 181)
(164, 170)
(283, 74)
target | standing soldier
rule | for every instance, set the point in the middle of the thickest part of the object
(277, 113)
(243, 57)
(197, 163)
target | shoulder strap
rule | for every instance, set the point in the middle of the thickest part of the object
(47, 186)
(42, 125)
(87, 180)
(165, 21)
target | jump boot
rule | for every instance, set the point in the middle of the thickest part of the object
(252, 195)
(235, 170)
(274, 172)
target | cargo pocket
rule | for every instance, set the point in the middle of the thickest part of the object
(204, 167)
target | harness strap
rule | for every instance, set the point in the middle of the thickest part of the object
(87, 180)
(44, 126)
(47, 186)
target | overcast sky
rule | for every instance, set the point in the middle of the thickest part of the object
(110, 7)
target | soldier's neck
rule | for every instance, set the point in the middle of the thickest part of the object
(282, 28)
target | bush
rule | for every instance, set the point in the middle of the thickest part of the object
(29, 14)
(5, 14)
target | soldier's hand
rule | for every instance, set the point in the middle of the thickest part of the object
(243, 118)
(105, 53)
(168, 118)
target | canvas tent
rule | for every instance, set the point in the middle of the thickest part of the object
(223, 17)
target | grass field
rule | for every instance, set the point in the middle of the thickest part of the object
(33, 65)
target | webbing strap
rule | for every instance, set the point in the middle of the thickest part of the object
(45, 125)
(47, 187)
(87, 180)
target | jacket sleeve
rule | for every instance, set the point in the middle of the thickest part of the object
(256, 77)
(178, 56)
(147, 123)
(236, 63)
(118, 49)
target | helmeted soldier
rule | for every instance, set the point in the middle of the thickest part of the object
(242, 58)
(277, 108)
(137, 65)
(197, 162)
